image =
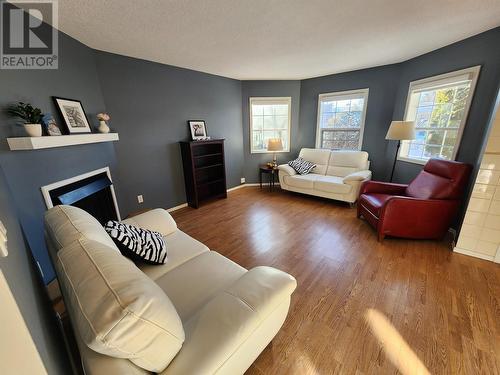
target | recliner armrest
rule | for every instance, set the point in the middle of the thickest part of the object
(158, 220)
(287, 169)
(358, 176)
(223, 325)
(383, 188)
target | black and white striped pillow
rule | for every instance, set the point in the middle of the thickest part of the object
(137, 243)
(302, 166)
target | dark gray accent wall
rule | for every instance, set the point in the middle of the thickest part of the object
(269, 89)
(382, 85)
(150, 104)
(25, 284)
(27, 171)
(482, 49)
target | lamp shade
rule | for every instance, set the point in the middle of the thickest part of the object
(274, 144)
(401, 130)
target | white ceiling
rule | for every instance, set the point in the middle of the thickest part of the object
(275, 39)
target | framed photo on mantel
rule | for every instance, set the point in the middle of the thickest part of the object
(73, 115)
(198, 130)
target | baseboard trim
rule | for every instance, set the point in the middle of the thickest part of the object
(474, 254)
(177, 207)
(171, 209)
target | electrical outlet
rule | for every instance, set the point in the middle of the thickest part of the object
(140, 199)
(243, 180)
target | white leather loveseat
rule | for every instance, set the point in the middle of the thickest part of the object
(200, 313)
(338, 174)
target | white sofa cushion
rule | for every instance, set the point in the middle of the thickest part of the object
(67, 224)
(317, 156)
(358, 176)
(195, 282)
(217, 334)
(343, 163)
(181, 248)
(118, 310)
(331, 184)
(301, 181)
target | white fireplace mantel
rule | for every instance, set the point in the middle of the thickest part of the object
(36, 143)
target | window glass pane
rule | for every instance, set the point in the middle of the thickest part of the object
(328, 107)
(435, 137)
(450, 137)
(343, 106)
(423, 116)
(257, 109)
(281, 109)
(357, 104)
(258, 141)
(269, 121)
(438, 113)
(257, 122)
(341, 114)
(281, 122)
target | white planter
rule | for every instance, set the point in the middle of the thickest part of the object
(103, 127)
(33, 130)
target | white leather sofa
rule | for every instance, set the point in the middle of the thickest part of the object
(200, 313)
(338, 174)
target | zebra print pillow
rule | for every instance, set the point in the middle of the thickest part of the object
(137, 243)
(302, 166)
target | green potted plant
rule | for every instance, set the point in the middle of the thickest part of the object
(31, 117)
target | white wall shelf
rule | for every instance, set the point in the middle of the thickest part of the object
(36, 143)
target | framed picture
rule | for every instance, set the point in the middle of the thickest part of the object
(198, 130)
(73, 115)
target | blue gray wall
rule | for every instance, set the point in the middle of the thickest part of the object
(482, 49)
(150, 104)
(382, 85)
(269, 89)
(26, 286)
(27, 171)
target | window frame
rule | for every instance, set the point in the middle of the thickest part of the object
(269, 100)
(436, 81)
(339, 94)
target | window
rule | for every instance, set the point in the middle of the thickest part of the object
(269, 118)
(341, 120)
(439, 107)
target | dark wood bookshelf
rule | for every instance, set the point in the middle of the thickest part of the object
(204, 170)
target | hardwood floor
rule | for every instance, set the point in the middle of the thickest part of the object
(446, 306)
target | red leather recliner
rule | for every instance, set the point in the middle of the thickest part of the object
(422, 209)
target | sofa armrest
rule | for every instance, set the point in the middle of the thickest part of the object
(383, 188)
(287, 169)
(220, 329)
(358, 176)
(158, 220)
(415, 217)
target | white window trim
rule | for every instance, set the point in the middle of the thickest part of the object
(445, 78)
(350, 94)
(270, 100)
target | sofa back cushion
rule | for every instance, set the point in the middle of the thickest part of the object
(66, 224)
(116, 308)
(343, 163)
(440, 179)
(317, 156)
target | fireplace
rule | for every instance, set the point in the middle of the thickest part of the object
(92, 192)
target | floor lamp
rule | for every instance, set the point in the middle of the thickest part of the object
(398, 131)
